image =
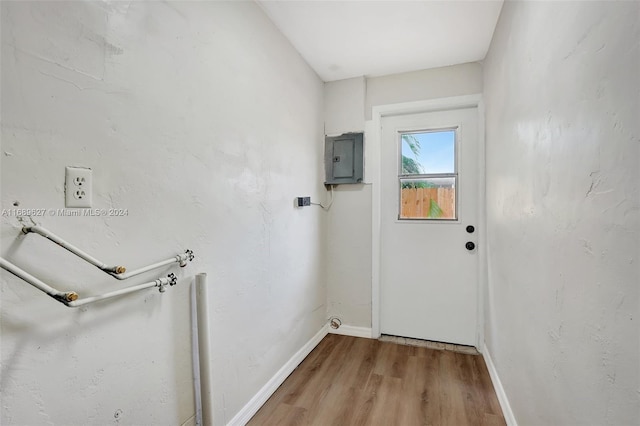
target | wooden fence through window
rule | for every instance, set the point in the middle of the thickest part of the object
(416, 202)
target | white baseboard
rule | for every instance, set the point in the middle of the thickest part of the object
(349, 330)
(497, 385)
(252, 407)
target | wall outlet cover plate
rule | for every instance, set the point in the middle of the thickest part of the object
(304, 201)
(77, 187)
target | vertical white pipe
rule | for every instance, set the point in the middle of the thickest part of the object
(195, 355)
(204, 349)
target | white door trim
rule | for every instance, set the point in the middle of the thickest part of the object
(374, 146)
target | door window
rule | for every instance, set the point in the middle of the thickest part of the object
(428, 175)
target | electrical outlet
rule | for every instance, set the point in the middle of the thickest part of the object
(304, 201)
(77, 187)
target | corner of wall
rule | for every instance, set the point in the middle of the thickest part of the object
(507, 412)
(255, 403)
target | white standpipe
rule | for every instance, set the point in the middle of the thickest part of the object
(70, 298)
(204, 349)
(118, 272)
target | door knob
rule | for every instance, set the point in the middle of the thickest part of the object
(470, 229)
(470, 246)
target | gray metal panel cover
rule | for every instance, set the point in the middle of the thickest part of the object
(344, 160)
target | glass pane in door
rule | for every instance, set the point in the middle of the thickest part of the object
(428, 198)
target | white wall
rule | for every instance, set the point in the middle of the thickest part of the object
(349, 225)
(349, 255)
(434, 83)
(202, 121)
(562, 106)
(344, 106)
(349, 232)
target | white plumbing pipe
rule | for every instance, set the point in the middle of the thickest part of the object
(160, 282)
(181, 259)
(68, 246)
(195, 356)
(204, 349)
(118, 272)
(70, 298)
(61, 296)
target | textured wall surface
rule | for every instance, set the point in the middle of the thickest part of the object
(203, 122)
(562, 95)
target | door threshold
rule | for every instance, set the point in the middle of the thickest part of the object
(442, 346)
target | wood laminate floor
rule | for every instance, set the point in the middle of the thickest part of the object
(355, 381)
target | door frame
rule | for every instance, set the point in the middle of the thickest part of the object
(374, 148)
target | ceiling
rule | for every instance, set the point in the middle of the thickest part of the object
(349, 38)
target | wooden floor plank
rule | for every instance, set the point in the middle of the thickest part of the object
(355, 381)
(368, 400)
(414, 409)
(285, 414)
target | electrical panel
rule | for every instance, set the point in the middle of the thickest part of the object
(344, 158)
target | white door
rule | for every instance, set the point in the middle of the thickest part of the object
(429, 198)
